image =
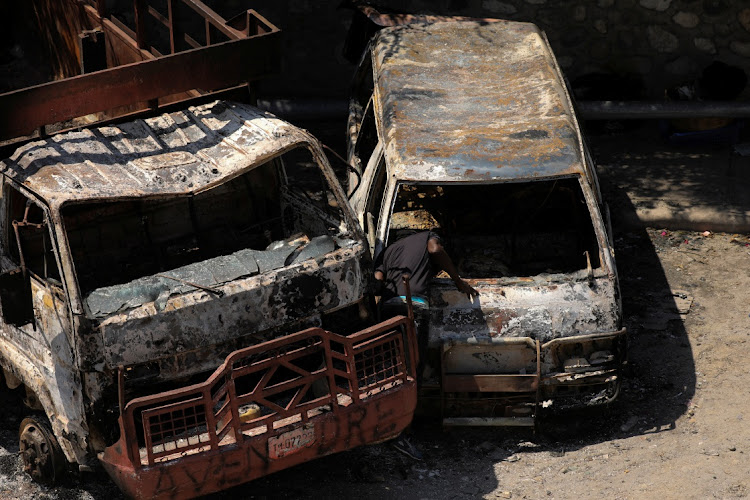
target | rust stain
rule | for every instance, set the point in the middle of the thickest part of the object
(474, 100)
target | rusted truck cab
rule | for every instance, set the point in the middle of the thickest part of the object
(185, 291)
(466, 128)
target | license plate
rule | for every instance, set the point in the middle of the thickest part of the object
(290, 442)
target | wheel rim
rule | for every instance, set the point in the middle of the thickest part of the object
(40, 453)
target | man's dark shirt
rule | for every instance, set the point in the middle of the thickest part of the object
(408, 255)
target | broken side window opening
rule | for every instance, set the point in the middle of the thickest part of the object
(505, 229)
(28, 237)
(29, 248)
(130, 252)
(367, 140)
(361, 119)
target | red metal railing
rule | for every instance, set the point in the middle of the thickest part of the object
(263, 390)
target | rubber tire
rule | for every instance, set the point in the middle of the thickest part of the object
(40, 452)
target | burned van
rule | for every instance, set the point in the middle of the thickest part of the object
(466, 128)
(169, 289)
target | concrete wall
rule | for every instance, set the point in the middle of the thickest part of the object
(660, 42)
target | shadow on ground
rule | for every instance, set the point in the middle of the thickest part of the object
(659, 381)
(694, 186)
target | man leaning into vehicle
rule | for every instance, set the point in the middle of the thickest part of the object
(419, 257)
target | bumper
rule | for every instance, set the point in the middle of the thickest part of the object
(268, 407)
(506, 382)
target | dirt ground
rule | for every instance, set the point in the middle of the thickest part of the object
(678, 430)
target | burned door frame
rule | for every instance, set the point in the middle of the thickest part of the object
(48, 337)
(363, 196)
(360, 102)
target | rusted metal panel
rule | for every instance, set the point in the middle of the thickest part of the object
(511, 355)
(174, 153)
(472, 101)
(490, 383)
(195, 440)
(210, 68)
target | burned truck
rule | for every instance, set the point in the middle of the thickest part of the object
(183, 301)
(466, 128)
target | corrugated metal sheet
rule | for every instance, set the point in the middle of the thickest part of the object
(179, 152)
(473, 101)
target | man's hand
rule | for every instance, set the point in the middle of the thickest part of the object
(466, 288)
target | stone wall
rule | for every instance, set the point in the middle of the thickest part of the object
(662, 42)
(655, 44)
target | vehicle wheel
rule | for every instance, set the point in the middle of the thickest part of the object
(42, 456)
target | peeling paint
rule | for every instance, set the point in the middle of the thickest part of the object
(165, 327)
(481, 143)
(541, 312)
(472, 101)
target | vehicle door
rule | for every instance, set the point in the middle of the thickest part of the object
(367, 201)
(360, 105)
(362, 150)
(34, 305)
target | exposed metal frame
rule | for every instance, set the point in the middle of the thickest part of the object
(235, 52)
(195, 441)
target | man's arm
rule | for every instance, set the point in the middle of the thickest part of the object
(379, 283)
(441, 259)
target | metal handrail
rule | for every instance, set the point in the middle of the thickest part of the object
(199, 401)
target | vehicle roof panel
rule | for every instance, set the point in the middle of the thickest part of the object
(174, 153)
(473, 101)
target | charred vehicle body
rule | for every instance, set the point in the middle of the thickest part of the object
(170, 290)
(466, 128)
